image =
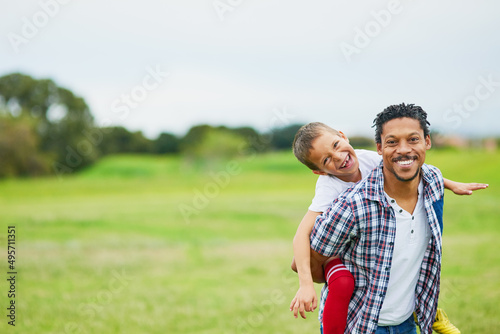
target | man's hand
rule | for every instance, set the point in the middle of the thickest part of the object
(304, 301)
(466, 188)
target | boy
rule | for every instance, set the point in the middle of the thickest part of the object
(327, 153)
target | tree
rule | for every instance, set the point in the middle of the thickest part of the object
(207, 145)
(19, 152)
(282, 138)
(194, 136)
(362, 142)
(62, 120)
(118, 139)
(166, 143)
(256, 142)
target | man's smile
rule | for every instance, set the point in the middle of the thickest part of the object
(405, 161)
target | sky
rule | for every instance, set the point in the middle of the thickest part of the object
(164, 66)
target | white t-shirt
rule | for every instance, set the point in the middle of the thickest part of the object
(328, 187)
(412, 237)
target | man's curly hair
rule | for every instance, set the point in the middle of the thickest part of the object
(399, 111)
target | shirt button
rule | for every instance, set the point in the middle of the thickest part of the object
(392, 201)
(381, 295)
(391, 243)
(413, 218)
(401, 211)
(411, 231)
(387, 268)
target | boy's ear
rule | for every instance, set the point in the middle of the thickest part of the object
(318, 172)
(342, 135)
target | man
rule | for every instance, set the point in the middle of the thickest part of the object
(397, 270)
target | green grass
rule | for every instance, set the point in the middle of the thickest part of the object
(110, 250)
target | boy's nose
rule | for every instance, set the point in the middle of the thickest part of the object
(337, 156)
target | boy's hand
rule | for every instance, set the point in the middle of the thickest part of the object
(305, 300)
(467, 188)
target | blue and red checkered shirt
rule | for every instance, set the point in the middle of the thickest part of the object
(360, 227)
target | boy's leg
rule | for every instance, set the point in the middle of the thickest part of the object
(340, 289)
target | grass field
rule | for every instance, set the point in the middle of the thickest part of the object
(152, 245)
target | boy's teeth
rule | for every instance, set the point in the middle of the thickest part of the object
(345, 162)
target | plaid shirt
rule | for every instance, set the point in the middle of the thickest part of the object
(360, 227)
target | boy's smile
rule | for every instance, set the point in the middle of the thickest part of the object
(333, 155)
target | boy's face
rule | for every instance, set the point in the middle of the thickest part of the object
(403, 148)
(334, 156)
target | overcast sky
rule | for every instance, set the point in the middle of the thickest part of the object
(167, 65)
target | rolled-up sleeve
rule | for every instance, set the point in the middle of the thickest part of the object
(332, 230)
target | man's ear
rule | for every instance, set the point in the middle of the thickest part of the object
(428, 143)
(379, 148)
(318, 172)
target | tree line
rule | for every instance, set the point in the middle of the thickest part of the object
(47, 129)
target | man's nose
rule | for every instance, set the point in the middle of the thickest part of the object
(404, 147)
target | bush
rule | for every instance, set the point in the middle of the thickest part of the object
(19, 149)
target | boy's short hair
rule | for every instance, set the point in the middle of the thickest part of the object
(302, 143)
(399, 111)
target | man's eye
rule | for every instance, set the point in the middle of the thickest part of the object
(415, 139)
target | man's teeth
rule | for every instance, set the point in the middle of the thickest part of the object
(405, 162)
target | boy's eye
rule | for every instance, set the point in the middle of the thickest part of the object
(326, 161)
(336, 144)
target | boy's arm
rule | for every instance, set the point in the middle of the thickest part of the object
(305, 299)
(460, 188)
(309, 265)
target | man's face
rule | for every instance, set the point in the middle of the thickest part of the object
(334, 155)
(403, 147)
